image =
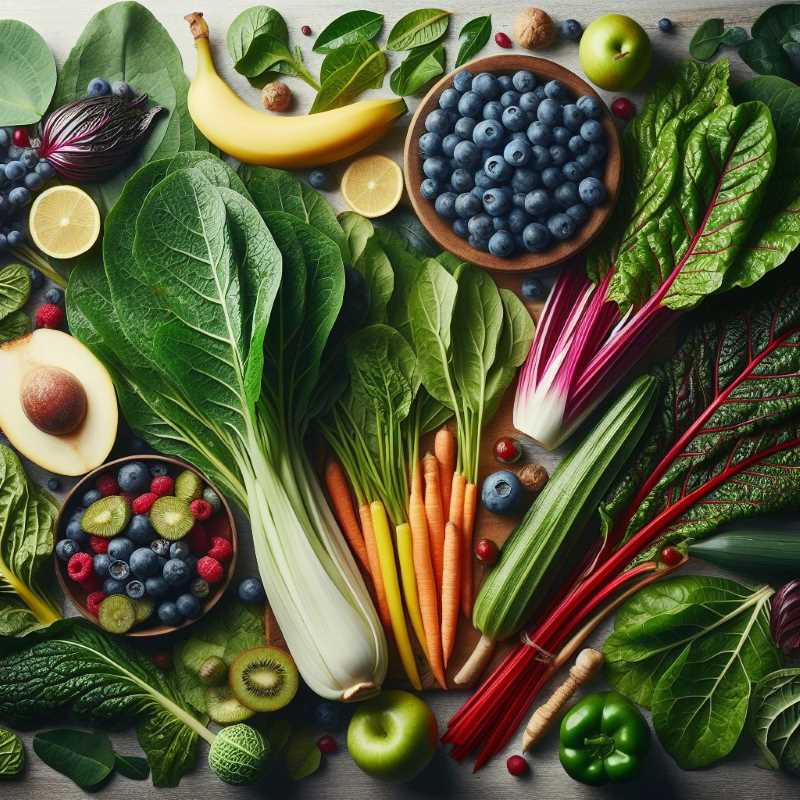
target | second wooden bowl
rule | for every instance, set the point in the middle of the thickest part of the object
(441, 229)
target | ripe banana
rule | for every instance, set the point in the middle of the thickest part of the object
(254, 137)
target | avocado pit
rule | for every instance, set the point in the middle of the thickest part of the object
(54, 400)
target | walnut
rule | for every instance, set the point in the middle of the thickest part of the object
(533, 477)
(276, 96)
(534, 29)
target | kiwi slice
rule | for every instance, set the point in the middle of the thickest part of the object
(143, 609)
(171, 518)
(223, 708)
(263, 678)
(106, 517)
(213, 671)
(188, 486)
(117, 614)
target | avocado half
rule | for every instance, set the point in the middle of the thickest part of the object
(57, 403)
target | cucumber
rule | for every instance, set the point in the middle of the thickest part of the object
(116, 614)
(143, 609)
(758, 551)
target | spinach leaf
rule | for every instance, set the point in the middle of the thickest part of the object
(85, 758)
(707, 39)
(27, 74)
(265, 53)
(418, 69)
(15, 324)
(357, 67)
(253, 22)
(358, 230)
(473, 37)
(133, 767)
(775, 719)
(776, 20)
(349, 28)
(12, 755)
(374, 265)
(15, 288)
(766, 57)
(692, 648)
(407, 227)
(418, 28)
(782, 97)
(303, 757)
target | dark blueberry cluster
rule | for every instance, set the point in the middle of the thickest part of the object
(514, 164)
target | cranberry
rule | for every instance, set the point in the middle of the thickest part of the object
(162, 659)
(501, 40)
(486, 551)
(671, 556)
(623, 108)
(517, 766)
(20, 137)
(306, 30)
(507, 450)
(327, 745)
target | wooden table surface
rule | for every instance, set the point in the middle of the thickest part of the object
(738, 777)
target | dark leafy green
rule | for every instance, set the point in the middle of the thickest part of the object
(775, 719)
(349, 28)
(776, 20)
(782, 97)
(707, 39)
(253, 22)
(766, 57)
(85, 758)
(418, 69)
(349, 71)
(418, 28)
(473, 37)
(15, 288)
(303, 757)
(15, 324)
(12, 754)
(133, 767)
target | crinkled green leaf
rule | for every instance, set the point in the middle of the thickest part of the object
(14, 325)
(775, 719)
(15, 288)
(348, 28)
(12, 754)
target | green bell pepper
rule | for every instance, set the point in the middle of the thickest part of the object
(604, 739)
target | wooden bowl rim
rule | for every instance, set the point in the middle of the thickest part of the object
(159, 630)
(441, 230)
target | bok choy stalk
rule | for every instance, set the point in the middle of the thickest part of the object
(213, 324)
(702, 209)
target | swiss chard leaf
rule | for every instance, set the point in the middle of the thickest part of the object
(473, 37)
(85, 758)
(15, 288)
(418, 28)
(775, 719)
(418, 69)
(352, 70)
(349, 28)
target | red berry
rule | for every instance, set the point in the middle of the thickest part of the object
(49, 315)
(221, 549)
(305, 30)
(20, 137)
(79, 567)
(623, 108)
(209, 569)
(98, 544)
(128, 497)
(197, 539)
(327, 745)
(201, 509)
(143, 503)
(91, 584)
(107, 485)
(517, 766)
(501, 40)
(162, 659)
(671, 556)
(93, 602)
(162, 485)
(507, 450)
(486, 551)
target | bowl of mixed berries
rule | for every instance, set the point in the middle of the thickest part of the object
(145, 545)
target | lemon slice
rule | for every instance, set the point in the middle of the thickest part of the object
(64, 222)
(372, 185)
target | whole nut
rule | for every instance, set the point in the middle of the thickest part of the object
(533, 477)
(276, 96)
(534, 29)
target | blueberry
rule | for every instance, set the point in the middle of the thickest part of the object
(509, 98)
(597, 151)
(533, 288)
(570, 29)
(462, 81)
(585, 160)
(488, 133)
(559, 155)
(524, 80)
(175, 572)
(74, 532)
(54, 484)
(169, 615)
(515, 119)
(486, 86)
(37, 279)
(573, 171)
(566, 195)
(45, 169)
(139, 530)
(592, 192)
(573, 117)
(160, 547)
(5, 138)
(501, 244)
(502, 492)
(429, 189)
(555, 90)
(536, 237)
(483, 181)
(470, 104)
(319, 179)
(15, 238)
(445, 205)
(101, 564)
(119, 570)
(189, 606)
(158, 469)
(461, 180)
(597, 172)
(251, 590)
(551, 177)
(19, 196)
(518, 199)
(200, 588)
(579, 212)
(121, 89)
(467, 205)
(540, 157)
(92, 496)
(464, 127)
(497, 201)
(438, 121)
(54, 295)
(591, 106)
(524, 180)
(430, 144)
(29, 159)
(517, 152)
(67, 548)
(537, 202)
(436, 167)
(517, 220)
(539, 133)
(449, 144)
(459, 226)
(120, 548)
(133, 477)
(549, 112)
(157, 587)
(478, 244)
(330, 716)
(539, 92)
(592, 131)
(500, 223)
(449, 98)
(135, 589)
(33, 181)
(144, 563)
(505, 83)
(498, 169)
(112, 586)
(98, 87)
(561, 226)
(665, 25)
(529, 102)
(480, 227)
(14, 170)
(191, 562)
(492, 110)
(577, 145)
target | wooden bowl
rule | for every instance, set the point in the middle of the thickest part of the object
(71, 502)
(440, 228)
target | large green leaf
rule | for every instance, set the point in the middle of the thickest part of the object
(85, 758)
(473, 37)
(354, 69)
(252, 22)
(14, 325)
(418, 69)
(775, 719)
(418, 28)
(351, 27)
(776, 20)
(27, 74)
(15, 288)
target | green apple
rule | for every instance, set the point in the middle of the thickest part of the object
(393, 736)
(615, 52)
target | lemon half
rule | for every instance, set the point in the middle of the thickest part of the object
(64, 222)
(372, 185)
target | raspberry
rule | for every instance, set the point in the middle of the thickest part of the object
(221, 549)
(201, 509)
(91, 584)
(208, 568)
(128, 497)
(93, 602)
(162, 485)
(79, 567)
(98, 544)
(197, 539)
(107, 485)
(49, 315)
(162, 659)
(143, 503)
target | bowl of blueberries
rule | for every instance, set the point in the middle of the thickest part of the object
(513, 162)
(145, 545)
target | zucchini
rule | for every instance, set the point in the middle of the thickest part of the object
(756, 550)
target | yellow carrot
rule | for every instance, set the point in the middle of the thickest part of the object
(451, 589)
(375, 567)
(383, 539)
(342, 502)
(434, 513)
(405, 557)
(470, 510)
(426, 582)
(444, 448)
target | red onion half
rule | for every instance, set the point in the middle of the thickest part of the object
(784, 618)
(92, 139)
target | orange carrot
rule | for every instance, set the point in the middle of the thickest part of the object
(426, 583)
(444, 448)
(456, 512)
(450, 589)
(434, 513)
(470, 510)
(342, 502)
(375, 567)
